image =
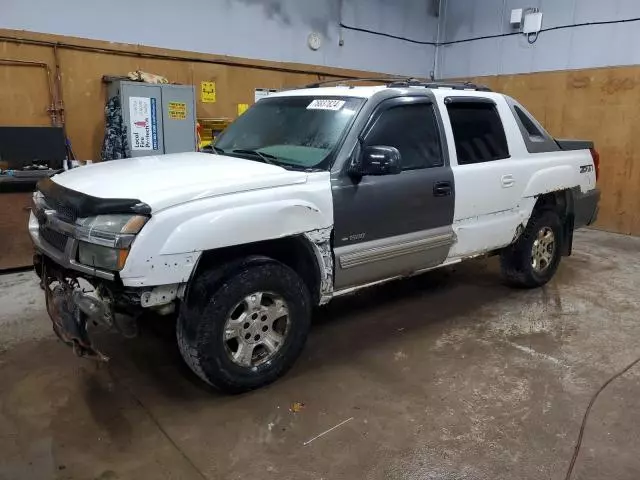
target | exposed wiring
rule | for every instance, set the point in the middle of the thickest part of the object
(486, 37)
(388, 35)
(587, 24)
(576, 449)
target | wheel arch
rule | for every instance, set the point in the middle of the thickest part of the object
(552, 179)
(299, 252)
(562, 202)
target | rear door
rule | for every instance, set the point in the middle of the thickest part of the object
(396, 224)
(488, 173)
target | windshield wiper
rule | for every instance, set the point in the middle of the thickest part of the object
(265, 157)
(217, 149)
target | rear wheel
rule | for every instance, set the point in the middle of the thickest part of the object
(244, 331)
(534, 258)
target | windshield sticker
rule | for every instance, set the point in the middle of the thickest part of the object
(326, 104)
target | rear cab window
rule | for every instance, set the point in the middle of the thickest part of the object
(536, 138)
(534, 133)
(478, 132)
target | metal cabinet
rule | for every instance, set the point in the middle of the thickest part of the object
(158, 118)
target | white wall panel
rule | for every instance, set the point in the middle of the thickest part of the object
(484, 56)
(580, 47)
(263, 29)
(277, 30)
(556, 12)
(516, 55)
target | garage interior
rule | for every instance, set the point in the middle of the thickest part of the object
(447, 375)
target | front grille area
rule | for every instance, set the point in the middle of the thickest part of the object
(65, 212)
(56, 239)
(55, 220)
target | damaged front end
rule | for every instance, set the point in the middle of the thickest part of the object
(81, 243)
(77, 303)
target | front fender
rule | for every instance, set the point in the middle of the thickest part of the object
(169, 245)
(247, 224)
(552, 179)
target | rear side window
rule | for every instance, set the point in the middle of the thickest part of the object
(534, 132)
(477, 132)
(412, 129)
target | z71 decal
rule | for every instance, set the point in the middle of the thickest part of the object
(586, 168)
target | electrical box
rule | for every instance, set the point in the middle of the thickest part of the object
(158, 118)
(516, 17)
(532, 23)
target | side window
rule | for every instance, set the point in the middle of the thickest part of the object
(535, 135)
(478, 132)
(412, 129)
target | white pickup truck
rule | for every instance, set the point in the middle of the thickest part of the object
(311, 194)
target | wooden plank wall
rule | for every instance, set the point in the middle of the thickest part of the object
(602, 105)
(24, 94)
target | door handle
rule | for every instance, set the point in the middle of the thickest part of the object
(507, 181)
(442, 189)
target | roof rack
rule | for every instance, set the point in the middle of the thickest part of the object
(448, 85)
(386, 80)
(395, 82)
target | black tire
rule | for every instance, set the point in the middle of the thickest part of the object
(516, 260)
(213, 295)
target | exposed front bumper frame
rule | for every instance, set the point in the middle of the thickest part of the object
(68, 320)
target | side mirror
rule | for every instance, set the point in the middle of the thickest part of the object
(376, 160)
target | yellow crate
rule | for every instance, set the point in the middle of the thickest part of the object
(210, 128)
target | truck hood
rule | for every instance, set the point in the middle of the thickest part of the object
(167, 180)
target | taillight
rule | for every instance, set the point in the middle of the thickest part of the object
(596, 161)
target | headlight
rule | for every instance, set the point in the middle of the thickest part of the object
(105, 239)
(110, 230)
(102, 257)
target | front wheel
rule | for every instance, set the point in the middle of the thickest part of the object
(534, 258)
(245, 331)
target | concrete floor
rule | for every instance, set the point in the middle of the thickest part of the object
(450, 375)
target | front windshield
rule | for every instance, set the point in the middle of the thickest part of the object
(296, 132)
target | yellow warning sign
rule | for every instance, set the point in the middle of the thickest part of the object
(177, 110)
(242, 107)
(208, 92)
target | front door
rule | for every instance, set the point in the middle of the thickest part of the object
(392, 225)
